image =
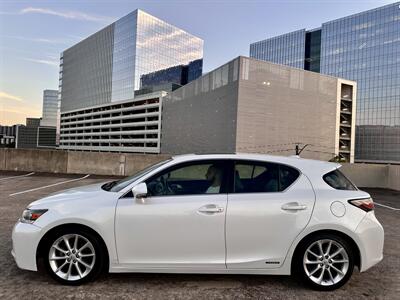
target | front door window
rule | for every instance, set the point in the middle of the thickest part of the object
(189, 179)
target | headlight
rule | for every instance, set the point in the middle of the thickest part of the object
(31, 215)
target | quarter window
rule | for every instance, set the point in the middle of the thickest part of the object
(338, 181)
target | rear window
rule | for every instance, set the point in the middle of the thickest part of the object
(338, 181)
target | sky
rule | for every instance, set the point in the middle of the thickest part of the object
(34, 33)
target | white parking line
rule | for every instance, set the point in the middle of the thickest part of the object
(24, 175)
(386, 206)
(50, 185)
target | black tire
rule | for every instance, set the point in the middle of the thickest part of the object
(299, 270)
(99, 251)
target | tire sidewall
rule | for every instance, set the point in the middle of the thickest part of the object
(298, 268)
(99, 262)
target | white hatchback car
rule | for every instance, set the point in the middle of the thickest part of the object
(222, 213)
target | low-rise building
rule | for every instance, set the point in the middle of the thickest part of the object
(7, 136)
(33, 135)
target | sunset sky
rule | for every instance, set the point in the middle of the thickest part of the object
(33, 33)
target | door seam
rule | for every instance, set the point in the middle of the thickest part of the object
(226, 214)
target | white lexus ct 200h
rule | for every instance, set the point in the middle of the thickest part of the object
(222, 213)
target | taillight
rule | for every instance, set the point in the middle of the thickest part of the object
(365, 204)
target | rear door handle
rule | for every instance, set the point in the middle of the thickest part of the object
(294, 206)
(210, 209)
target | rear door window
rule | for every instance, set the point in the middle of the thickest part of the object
(262, 177)
(287, 175)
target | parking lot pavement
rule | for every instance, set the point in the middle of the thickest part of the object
(380, 282)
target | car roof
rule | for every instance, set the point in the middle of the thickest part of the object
(307, 166)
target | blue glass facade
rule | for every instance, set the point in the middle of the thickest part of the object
(170, 75)
(161, 46)
(179, 75)
(108, 66)
(312, 61)
(148, 51)
(194, 70)
(124, 53)
(287, 49)
(364, 47)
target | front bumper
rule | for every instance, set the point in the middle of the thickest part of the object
(371, 235)
(25, 240)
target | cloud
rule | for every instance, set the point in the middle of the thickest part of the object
(77, 15)
(7, 96)
(50, 62)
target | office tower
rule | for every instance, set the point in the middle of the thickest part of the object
(50, 108)
(111, 83)
(363, 47)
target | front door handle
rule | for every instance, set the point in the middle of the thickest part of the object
(293, 206)
(210, 209)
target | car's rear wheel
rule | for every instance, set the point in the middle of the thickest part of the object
(324, 261)
(73, 256)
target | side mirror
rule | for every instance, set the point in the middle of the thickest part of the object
(140, 190)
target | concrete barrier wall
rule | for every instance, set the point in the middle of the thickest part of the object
(101, 163)
(123, 164)
(2, 160)
(373, 175)
(394, 177)
(35, 160)
(367, 175)
(104, 163)
(137, 162)
(75, 162)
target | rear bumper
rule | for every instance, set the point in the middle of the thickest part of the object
(371, 235)
(25, 239)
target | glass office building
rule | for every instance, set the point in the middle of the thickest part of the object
(50, 108)
(107, 66)
(111, 83)
(178, 75)
(364, 47)
(287, 49)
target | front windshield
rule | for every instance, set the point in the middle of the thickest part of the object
(116, 186)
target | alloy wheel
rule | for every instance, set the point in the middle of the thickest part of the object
(72, 257)
(326, 262)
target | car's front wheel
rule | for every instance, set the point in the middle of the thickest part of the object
(73, 256)
(324, 262)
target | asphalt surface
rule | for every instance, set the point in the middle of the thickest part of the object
(380, 282)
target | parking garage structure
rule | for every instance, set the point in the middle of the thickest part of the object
(125, 126)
